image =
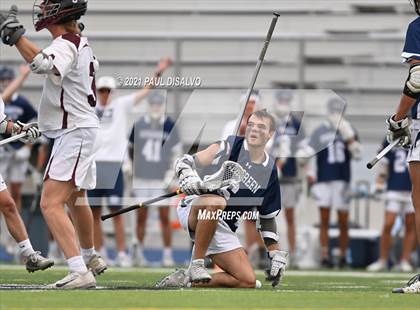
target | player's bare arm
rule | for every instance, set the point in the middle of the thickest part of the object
(16, 83)
(162, 66)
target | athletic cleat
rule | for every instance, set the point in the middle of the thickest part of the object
(168, 261)
(97, 265)
(198, 273)
(377, 266)
(413, 286)
(342, 263)
(177, 279)
(75, 280)
(403, 266)
(326, 263)
(36, 261)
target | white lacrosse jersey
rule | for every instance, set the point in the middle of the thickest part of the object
(68, 100)
(2, 115)
(112, 139)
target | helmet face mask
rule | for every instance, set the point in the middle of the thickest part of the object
(48, 12)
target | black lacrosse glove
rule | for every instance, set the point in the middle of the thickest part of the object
(11, 30)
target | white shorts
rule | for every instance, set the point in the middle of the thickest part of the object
(399, 202)
(332, 194)
(290, 193)
(224, 239)
(414, 152)
(73, 158)
(2, 184)
(144, 189)
(14, 170)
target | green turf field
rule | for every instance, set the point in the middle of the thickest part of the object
(134, 289)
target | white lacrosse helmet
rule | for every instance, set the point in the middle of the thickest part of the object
(106, 82)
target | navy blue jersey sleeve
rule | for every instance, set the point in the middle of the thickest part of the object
(271, 204)
(29, 112)
(412, 41)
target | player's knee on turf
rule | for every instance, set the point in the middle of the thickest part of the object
(247, 280)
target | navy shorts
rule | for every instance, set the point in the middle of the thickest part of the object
(109, 186)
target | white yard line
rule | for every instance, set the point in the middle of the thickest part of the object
(299, 273)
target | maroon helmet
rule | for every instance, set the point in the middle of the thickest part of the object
(48, 12)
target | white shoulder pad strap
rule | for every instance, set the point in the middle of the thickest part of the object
(42, 64)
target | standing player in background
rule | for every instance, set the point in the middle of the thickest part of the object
(254, 244)
(394, 177)
(33, 260)
(289, 135)
(215, 236)
(67, 115)
(399, 125)
(155, 145)
(114, 114)
(330, 175)
(15, 156)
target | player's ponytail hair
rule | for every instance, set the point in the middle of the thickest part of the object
(71, 26)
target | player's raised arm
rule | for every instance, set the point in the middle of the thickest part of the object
(16, 83)
(162, 66)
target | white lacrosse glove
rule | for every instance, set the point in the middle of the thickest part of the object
(278, 261)
(190, 182)
(399, 130)
(191, 185)
(23, 153)
(31, 129)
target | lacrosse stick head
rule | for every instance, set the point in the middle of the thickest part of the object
(230, 174)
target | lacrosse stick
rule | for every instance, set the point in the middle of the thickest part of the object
(13, 138)
(378, 157)
(230, 174)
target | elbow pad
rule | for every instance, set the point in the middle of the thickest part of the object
(42, 63)
(412, 84)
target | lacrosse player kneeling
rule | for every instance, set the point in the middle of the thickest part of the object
(239, 176)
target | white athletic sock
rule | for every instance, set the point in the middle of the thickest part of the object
(76, 264)
(167, 252)
(25, 248)
(87, 254)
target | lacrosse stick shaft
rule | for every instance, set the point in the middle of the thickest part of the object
(13, 138)
(381, 154)
(140, 205)
(258, 65)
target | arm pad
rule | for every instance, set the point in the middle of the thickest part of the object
(42, 64)
(268, 230)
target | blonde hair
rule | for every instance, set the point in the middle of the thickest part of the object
(71, 26)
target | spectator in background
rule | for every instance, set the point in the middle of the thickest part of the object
(394, 177)
(114, 114)
(288, 136)
(155, 145)
(330, 175)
